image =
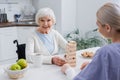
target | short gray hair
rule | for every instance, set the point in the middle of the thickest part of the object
(109, 13)
(45, 12)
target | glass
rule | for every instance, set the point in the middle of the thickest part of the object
(17, 17)
(37, 60)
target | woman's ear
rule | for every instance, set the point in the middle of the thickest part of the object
(53, 22)
(108, 28)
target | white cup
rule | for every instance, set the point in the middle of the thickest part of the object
(37, 60)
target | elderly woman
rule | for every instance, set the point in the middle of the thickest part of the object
(45, 40)
(105, 64)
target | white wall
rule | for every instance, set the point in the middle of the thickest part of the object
(68, 16)
(86, 13)
(13, 7)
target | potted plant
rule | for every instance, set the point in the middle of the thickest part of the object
(90, 39)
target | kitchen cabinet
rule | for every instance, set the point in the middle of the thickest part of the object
(7, 48)
(24, 33)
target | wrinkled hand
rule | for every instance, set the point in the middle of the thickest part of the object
(65, 67)
(84, 65)
(58, 61)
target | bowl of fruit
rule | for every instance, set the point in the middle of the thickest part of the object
(18, 69)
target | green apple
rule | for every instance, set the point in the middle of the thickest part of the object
(22, 63)
(15, 67)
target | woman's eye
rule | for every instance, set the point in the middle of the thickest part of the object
(42, 20)
(49, 20)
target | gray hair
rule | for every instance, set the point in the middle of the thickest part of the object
(109, 13)
(45, 12)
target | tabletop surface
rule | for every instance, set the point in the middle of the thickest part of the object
(47, 72)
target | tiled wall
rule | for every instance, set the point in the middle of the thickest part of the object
(13, 7)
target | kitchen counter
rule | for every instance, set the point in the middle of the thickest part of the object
(18, 24)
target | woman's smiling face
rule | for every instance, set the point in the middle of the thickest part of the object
(46, 24)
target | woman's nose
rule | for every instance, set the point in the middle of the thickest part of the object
(45, 23)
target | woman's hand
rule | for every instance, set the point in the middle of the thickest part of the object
(58, 61)
(65, 67)
(84, 65)
(68, 71)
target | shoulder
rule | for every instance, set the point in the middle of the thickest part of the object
(33, 36)
(108, 50)
(110, 47)
(55, 32)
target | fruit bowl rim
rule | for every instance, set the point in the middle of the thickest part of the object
(7, 69)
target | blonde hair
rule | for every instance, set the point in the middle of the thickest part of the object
(45, 12)
(109, 13)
